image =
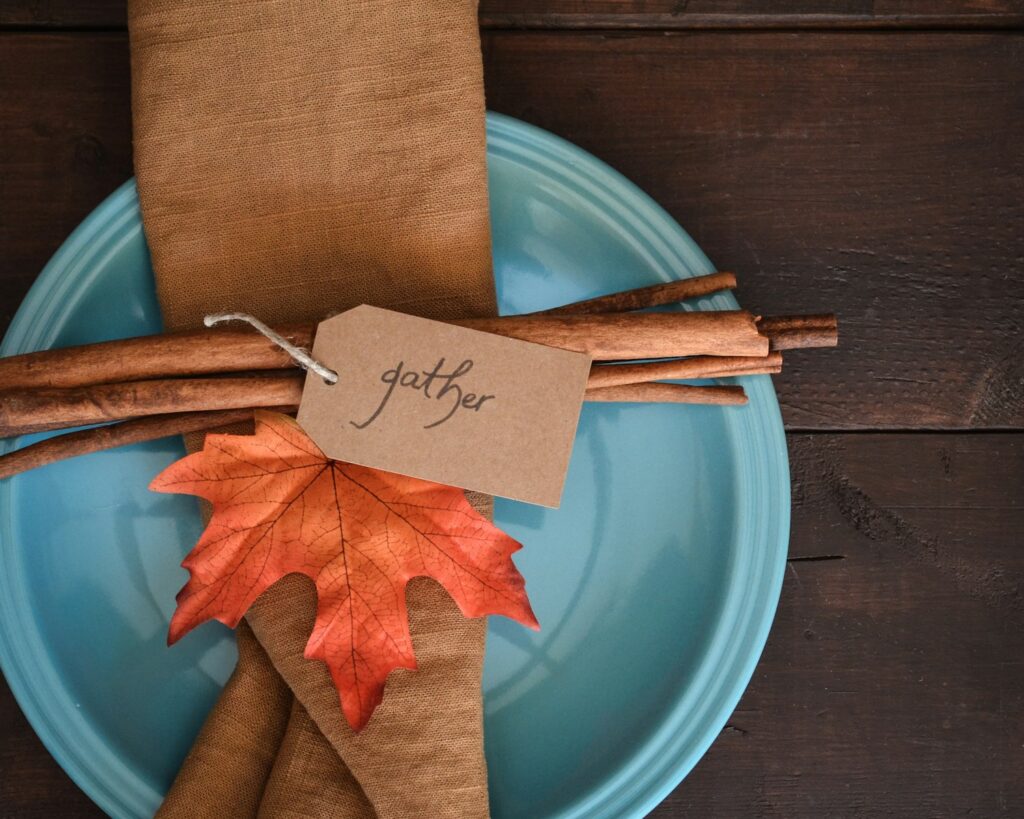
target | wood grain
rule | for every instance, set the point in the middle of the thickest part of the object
(828, 170)
(648, 14)
(892, 680)
(874, 174)
(751, 14)
(32, 784)
(63, 13)
(65, 143)
(874, 171)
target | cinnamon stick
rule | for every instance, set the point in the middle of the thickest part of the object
(193, 352)
(134, 431)
(230, 349)
(655, 295)
(20, 412)
(800, 332)
(137, 430)
(606, 337)
(624, 336)
(657, 393)
(610, 375)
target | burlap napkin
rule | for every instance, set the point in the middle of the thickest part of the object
(296, 157)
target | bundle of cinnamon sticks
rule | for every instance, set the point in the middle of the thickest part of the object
(154, 386)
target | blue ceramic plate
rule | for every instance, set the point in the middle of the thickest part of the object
(655, 583)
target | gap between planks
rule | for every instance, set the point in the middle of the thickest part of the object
(659, 22)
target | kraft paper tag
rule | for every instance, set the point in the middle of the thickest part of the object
(446, 404)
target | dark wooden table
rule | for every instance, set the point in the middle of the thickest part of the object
(859, 155)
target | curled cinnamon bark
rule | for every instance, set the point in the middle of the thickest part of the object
(234, 349)
(152, 381)
(26, 411)
(625, 336)
(195, 352)
(134, 431)
(614, 337)
(668, 394)
(800, 332)
(656, 295)
(137, 430)
(46, 409)
(610, 375)
(231, 349)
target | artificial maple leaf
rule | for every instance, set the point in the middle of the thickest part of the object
(281, 506)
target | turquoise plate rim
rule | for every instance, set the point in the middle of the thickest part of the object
(671, 752)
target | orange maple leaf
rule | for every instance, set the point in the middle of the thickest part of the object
(281, 506)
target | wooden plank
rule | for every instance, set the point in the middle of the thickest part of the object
(855, 172)
(32, 784)
(892, 680)
(878, 175)
(63, 13)
(648, 14)
(65, 143)
(750, 14)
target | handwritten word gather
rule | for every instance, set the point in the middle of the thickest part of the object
(447, 390)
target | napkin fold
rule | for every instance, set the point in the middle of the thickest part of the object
(293, 158)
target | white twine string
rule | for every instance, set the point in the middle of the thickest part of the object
(299, 355)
